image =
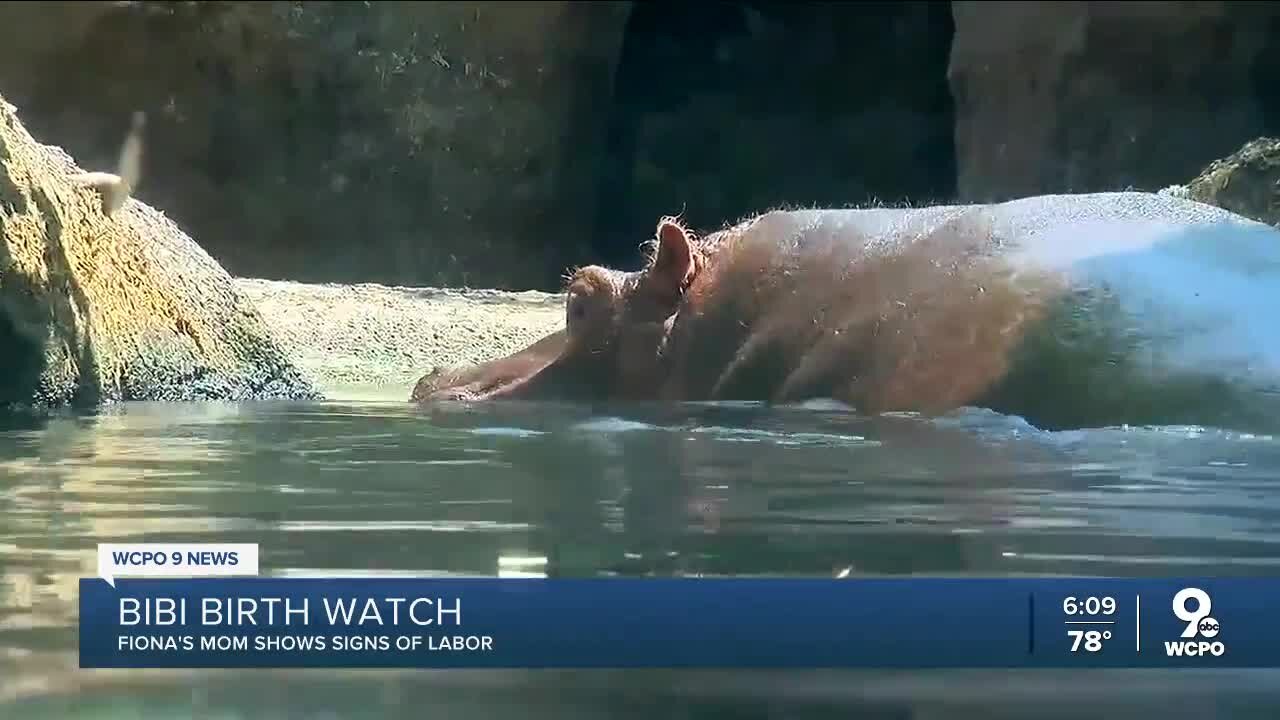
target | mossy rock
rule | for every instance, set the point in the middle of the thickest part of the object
(97, 308)
(1246, 182)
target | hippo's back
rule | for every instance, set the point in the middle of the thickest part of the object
(1053, 227)
(1184, 287)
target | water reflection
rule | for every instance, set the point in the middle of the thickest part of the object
(362, 489)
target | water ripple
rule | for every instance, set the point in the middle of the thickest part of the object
(382, 526)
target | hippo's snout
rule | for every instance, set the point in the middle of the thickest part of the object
(507, 377)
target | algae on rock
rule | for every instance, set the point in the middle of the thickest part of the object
(96, 309)
(1246, 182)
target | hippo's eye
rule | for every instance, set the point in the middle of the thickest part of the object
(588, 308)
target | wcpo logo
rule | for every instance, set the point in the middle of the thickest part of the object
(1199, 624)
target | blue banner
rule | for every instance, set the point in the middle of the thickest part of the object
(686, 623)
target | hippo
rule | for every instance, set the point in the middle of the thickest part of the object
(1068, 311)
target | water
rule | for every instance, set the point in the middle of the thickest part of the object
(369, 487)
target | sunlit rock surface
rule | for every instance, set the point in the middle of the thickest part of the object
(127, 307)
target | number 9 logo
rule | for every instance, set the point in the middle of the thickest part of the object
(1192, 619)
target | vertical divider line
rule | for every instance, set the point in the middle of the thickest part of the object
(1137, 623)
(1031, 623)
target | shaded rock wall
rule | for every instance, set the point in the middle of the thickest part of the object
(127, 307)
(1084, 96)
(415, 143)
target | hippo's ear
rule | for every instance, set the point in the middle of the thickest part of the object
(673, 264)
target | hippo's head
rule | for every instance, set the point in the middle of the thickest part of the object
(616, 326)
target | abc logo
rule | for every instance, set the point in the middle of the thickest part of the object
(1192, 606)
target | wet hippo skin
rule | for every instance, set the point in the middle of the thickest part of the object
(1068, 310)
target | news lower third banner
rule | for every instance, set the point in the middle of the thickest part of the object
(161, 620)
